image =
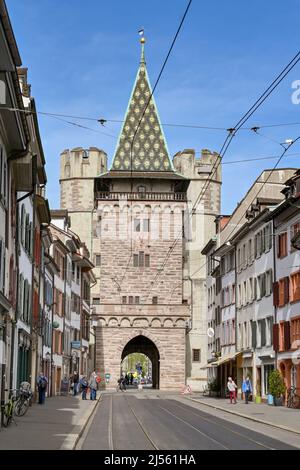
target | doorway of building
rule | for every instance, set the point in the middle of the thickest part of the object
(140, 357)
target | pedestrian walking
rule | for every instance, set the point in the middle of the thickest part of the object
(93, 386)
(124, 382)
(84, 386)
(247, 389)
(42, 383)
(231, 385)
(75, 383)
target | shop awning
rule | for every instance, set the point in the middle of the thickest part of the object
(222, 360)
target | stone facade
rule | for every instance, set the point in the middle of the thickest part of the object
(170, 343)
(204, 206)
(78, 168)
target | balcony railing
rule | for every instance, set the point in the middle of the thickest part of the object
(140, 196)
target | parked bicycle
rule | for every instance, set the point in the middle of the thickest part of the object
(24, 399)
(8, 409)
(293, 399)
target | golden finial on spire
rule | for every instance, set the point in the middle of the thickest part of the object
(142, 41)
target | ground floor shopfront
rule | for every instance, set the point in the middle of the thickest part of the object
(290, 371)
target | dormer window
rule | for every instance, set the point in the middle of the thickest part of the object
(141, 189)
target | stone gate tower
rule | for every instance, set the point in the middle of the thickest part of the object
(134, 221)
(140, 204)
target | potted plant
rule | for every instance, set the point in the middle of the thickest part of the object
(276, 387)
(258, 392)
(214, 388)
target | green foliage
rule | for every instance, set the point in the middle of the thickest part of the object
(214, 386)
(276, 384)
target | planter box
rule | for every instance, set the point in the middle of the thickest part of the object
(278, 401)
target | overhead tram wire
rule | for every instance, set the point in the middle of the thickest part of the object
(84, 127)
(120, 121)
(232, 131)
(231, 134)
(143, 114)
(255, 197)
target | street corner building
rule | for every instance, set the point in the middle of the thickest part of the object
(145, 229)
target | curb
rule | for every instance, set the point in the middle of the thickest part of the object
(71, 440)
(257, 420)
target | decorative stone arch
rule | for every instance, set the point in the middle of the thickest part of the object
(168, 323)
(113, 322)
(141, 343)
(125, 322)
(133, 334)
(180, 323)
(101, 322)
(140, 323)
(156, 323)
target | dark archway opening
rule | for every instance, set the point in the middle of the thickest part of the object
(142, 344)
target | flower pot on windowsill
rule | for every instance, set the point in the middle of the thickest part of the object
(258, 399)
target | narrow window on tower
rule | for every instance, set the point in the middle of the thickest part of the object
(141, 259)
(135, 261)
(155, 300)
(196, 355)
(137, 300)
(146, 225)
(137, 225)
(130, 300)
(124, 299)
(147, 261)
(97, 260)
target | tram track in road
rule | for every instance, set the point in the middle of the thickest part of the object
(112, 438)
(203, 434)
(167, 412)
(217, 422)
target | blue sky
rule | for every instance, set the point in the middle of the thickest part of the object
(83, 57)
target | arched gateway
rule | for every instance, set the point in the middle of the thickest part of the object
(144, 345)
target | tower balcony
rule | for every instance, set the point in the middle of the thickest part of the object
(140, 196)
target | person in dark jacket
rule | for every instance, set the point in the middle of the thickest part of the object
(42, 383)
(247, 389)
(75, 383)
(84, 386)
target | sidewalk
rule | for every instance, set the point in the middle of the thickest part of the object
(277, 416)
(53, 426)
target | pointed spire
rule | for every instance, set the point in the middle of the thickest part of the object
(149, 151)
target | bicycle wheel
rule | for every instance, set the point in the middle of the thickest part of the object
(296, 401)
(21, 406)
(6, 415)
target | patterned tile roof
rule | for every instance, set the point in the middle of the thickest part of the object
(148, 151)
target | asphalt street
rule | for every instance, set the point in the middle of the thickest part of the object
(124, 421)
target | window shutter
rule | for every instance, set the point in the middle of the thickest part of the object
(275, 294)
(278, 246)
(276, 337)
(254, 341)
(263, 333)
(271, 329)
(286, 289)
(287, 336)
